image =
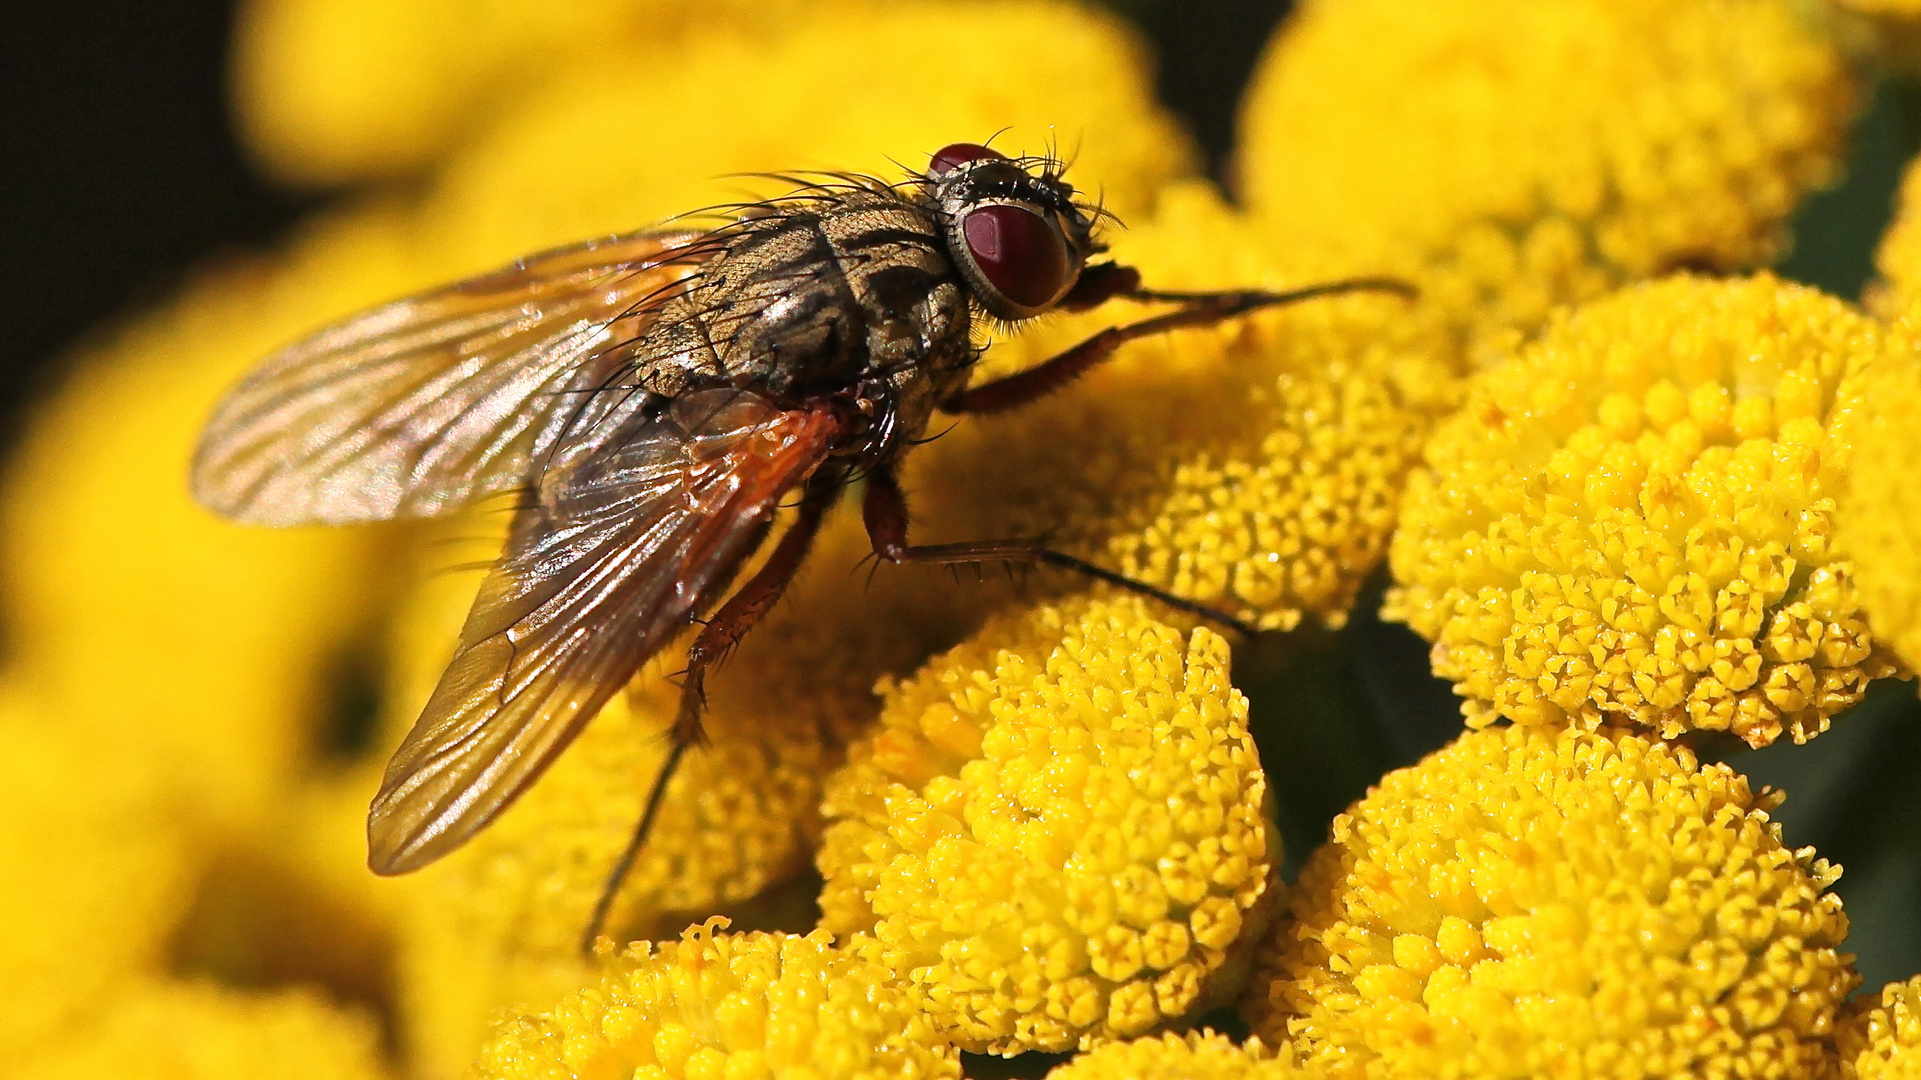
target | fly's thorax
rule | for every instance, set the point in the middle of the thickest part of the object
(855, 300)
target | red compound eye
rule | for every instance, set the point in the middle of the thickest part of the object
(1019, 253)
(954, 155)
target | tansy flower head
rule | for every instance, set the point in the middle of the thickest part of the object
(233, 635)
(1514, 155)
(340, 90)
(1880, 1036)
(1058, 835)
(1254, 465)
(724, 1005)
(1180, 1057)
(190, 1031)
(1553, 903)
(497, 922)
(97, 867)
(1630, 520)
(1877, 524)
(573, 160)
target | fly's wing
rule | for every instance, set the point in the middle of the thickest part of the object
(416, 407)
(631, 543)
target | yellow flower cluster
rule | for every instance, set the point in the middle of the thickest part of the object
(338, 90)
(1255, 465)
(1512, 155)
(1880, 1037)
(1056, 835)
(724, 1005)
(1876, 524)
(1059, 835)
(1898, 259)
(233, 635)
(497, 922)
(829, 92)
(97, 867)
(1631, 519)
(1180, 1057)
(1557, 903)
(189, 1031)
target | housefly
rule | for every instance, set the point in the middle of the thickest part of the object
(655, 397)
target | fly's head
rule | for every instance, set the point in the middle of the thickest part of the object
(1012, 227)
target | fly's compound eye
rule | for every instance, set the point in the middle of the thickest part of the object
(1017, 260)
(954, 155)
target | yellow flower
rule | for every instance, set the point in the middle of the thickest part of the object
(1898, 259)
(189, 1031)
(1880, 1036)
(340, 90)
(1515, 155)
(600, 149)
(1876, 522)
(1193, 1056)
(497, 922)
(234, 636)
(1255, 465)
(724, 1005)
(1557, 903)
(97, 866)
(1630, 520)
(1058, 835)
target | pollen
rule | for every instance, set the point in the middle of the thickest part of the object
(1879, 1038)
(1511, 156)
(1256, 465)
(1557, 903)
(715, 1005)
(1181, 1057)
(1632, 519)
(1058, 836)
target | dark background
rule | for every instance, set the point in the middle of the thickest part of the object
(121, 172)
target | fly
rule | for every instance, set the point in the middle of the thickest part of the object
(656, 396)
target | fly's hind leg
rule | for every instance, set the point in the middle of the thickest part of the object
(1106, 281)
(884, 510)
(716, 639)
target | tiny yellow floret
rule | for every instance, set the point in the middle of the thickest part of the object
(1631, 520)
(1557, 903)
(1058, 835)
(1876, 523)
(1879, 1038)
(714, 1006)
(1513, 155)
(1197, 1055)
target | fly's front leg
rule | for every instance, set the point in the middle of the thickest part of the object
(715, 640)
(1106, 281)
(884, 511)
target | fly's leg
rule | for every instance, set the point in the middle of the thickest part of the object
(1106, 281)
(884, 511)
(715, 640)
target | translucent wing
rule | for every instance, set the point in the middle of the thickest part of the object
(623, 548)
(416, 407)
